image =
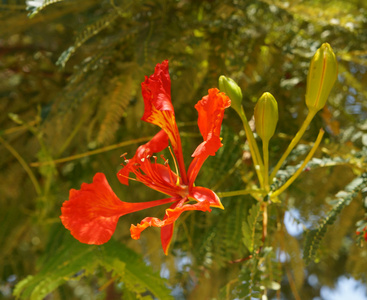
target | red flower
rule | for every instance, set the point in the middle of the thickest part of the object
(91, 214)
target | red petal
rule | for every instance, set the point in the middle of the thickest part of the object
(203, 194)
(156, 90)
(211, 111)
(171, 217)
(155, 145)
(158, 109)
(91, 213)
(154, 175)
(167, 232)
(166, 236)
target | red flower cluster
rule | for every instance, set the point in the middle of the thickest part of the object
(91, 213)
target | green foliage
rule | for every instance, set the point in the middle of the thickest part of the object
(87, 33)
(257, 276)
(315, 236)
(71, 260)
(70, 84)
(251, 228)
(36, 6)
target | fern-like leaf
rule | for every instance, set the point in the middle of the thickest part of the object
(88, 32)
(72, 259)
(35, 6)
(250, 228)
(314, 236)
(283, 175)
(132, 270)
(115, 104)
(257, 275)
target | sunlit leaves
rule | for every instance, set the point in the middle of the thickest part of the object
(251, 229)
(315, 236)
(73, 260)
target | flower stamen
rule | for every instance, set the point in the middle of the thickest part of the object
(174, 162)
(130, 178)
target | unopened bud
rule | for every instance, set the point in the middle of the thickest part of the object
(266, 116)
(232, 90)
(321, 77)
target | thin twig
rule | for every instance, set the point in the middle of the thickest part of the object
(25, 166)
(93, 152)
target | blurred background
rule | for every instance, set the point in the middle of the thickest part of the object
(70, 102)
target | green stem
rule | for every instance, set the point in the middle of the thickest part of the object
(20, 159)
(298, 172)
(266, 164)
(293, 143)
(239, 192)
(72, 135)
(93, 152)
(255, 153)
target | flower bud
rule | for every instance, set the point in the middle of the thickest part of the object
(321, 77)
(232, 90)
(266, 116)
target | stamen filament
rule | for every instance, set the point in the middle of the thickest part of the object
(131, 178)
(174, 162)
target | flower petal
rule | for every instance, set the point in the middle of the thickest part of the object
(166, 236)
(211, 111)
(155, 145)
(91, 213)
(157, 176)
(167, 232)
(170, 218)
(156, 90)
(158, 109)
(203, 194)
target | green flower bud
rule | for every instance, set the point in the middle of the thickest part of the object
(232, 90)
(321, 77)
(266, 116)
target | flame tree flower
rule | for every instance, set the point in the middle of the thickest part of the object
(91, 213)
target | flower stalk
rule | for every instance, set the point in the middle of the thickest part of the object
(300, 169)
(321, 77)
(293, 143)
(266, 119)
(234, 92)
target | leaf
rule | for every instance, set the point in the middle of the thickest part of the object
(257, 274)
(71, 259)
(133, 271)
(88, 32)
(113, 107)
(315, 236)
(250, 228)
(35, 6)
